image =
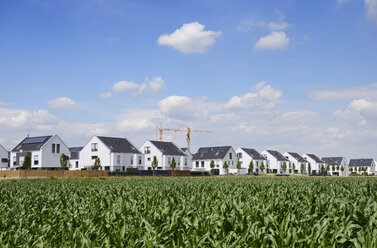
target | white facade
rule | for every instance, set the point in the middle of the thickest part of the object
(245, 160)
(335, 165)
(164, 160)
(111, 161)
(275, 165)
(3, 157)
(301, 167)
(359, 168)
(48, 156)
(204, 164)
(186, 162)
(315, 166)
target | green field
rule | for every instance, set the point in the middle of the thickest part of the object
(203, 212)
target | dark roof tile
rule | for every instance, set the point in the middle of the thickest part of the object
(217, 152)
(168, 148)
(32, 143)
(254, 154)
(119, 145)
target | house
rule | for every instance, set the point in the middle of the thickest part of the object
(362, 165)
(315, 163)
(115, 154)
(246, 155)
(74, 158)
(338, 165)
(4, 157)
(299, 164)
(44, 152)
(276, 162)
(164, 152)
(219, 155)
(186, 162)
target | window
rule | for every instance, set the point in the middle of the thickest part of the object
(118, 159)
(230, 155)
(94, 147)
(169, 161)
(139, 159)
(36, 158)
(124, 168)
(149, 159)
(185, 161)
(53, 148)
(132, 160)
(57, 148)
(147, 150)
(94, 157)
(202, 163)
(197, 163)
(239, 155)
(77, 164)
(14, 160)
(4, 160)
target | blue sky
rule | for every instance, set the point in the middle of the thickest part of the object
(289, 75)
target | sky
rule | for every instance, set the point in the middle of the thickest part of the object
(290, 75)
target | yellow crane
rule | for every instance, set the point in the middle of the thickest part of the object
(188, 133)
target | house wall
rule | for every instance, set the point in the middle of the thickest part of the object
(297, 164)
(126, 160)
(3, 157)
(245, 160)
(74, 164)
(274, 165)
(232, 163)
(87, 156)
(315, 167)
(186, 162)
(47, 159)
(339, 172)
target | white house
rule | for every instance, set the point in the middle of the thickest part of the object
(186, 162)
(115, 154)
(74, 158)
(276, 162)
(202, 159)
(246, 155)
(360, 165)
(338, 165)
(315, 163)
(164, 152)
(4, 157)
(44, 152)
(299, 163)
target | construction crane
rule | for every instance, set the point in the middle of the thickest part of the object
(188, 133)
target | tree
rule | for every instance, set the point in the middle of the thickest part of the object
(333, 167)
(293, 167)
(262, 167)
(226, 166)
(97, 163)
(251, 167)
(173, 164)
(342, 168)
(350, 169)
(64, 161)
(154, 164)
(27, 163)
(284, 166)
(327, 167)
(337, 168)
(309, 168)
(322, 168)
(302, 167)
(238, 167)
(212, 165)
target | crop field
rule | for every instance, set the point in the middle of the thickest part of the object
(203, 212)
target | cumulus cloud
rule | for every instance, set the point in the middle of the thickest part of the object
(129, 86)
(106, 95)
(264, 97)
(190, 38)
(273, 41)
(363, 91)
(63, 103)
(19, 118)
(371, 6)
(360, 110)
(156, 84)
(183, 107)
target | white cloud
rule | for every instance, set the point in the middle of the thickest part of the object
(263, 98)
(129, 86)
(156, 84)
(273, 41)
(4, 103)
(63, 103)
(106, 95)
(19, 118)
(360, 110)
(278, 25)
(371, 6)
(190, 38)
(183, 107)
(363, 91)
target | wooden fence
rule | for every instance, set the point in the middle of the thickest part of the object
(52, 173)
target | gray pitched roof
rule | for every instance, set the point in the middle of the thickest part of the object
(254, 154)
(184, 149)
(119, 145)
(333, 160)
(168, 148)
(315, 158)
(297, 157)
(361, 162)
(75, 152)
(277, 155)
(217, 152)
(32, 143)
